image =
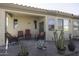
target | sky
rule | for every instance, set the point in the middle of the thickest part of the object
(70, 6)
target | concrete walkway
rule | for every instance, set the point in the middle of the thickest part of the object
(34, 51)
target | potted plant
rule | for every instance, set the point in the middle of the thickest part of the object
(60, 42)
(71, 45)
(23, 52)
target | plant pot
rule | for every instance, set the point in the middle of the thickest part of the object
(61, 51)
(23, 54)
(71, 47)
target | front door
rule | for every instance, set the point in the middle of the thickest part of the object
(41, 27)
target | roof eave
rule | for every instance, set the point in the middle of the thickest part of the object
(38, 10)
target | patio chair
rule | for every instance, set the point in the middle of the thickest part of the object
(20, 35)
(27, 34)
(41, 35)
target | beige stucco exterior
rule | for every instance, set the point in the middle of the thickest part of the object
(2, 27)
(50, 35)
(27, 22)
(26, 17)
(66, 33)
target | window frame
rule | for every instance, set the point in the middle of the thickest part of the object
(76, 26)
(51, 24)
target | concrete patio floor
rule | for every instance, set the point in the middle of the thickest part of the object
(34, 51)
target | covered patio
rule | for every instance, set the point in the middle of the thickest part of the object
(24, 25)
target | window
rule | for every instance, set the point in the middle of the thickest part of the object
(63, 24)
(66, 25)
(60, 24)
(51, 24)
(76, 25)
(15, 23)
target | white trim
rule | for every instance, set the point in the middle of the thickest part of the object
(25, 13)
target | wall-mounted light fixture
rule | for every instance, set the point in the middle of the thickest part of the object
(15, 23)
(35, 23)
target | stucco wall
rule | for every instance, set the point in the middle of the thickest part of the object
(27, 22)
(2, 27)
(66, 33)
(75, 32)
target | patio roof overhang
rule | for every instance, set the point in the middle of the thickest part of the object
(37, 11)
(13, 12)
